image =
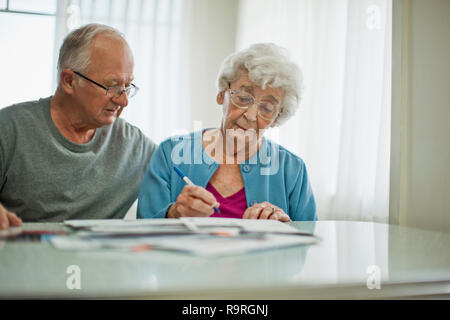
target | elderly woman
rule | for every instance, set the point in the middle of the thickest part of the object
(234, 168)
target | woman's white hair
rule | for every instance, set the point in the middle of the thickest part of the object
(75, 52)
(267, 64)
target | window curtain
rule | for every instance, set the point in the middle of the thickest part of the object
(342, 130)
(154, 30)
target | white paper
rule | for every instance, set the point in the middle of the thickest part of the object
(224, 246)
(211, 237)
(249, 225)
(90, 223)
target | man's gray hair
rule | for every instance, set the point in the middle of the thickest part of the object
(267, 64)
(75, 52)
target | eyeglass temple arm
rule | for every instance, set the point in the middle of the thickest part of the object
(90, 80)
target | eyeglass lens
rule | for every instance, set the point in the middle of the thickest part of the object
(266, 109)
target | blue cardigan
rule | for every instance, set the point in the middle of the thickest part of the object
(274, 174)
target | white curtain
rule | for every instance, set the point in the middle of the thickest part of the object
(154, 29)
(342, 130)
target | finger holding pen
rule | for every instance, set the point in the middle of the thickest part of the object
(193, 201)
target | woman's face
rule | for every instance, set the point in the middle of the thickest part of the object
(245, 125)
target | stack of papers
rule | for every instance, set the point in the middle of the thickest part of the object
(207, 237)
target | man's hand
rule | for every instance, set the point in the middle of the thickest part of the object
(266, 210)
(8, 218)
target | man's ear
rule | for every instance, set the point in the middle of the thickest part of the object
(220, 97)
(67, 79)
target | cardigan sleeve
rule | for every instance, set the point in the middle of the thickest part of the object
(302, 205)
(155, 194)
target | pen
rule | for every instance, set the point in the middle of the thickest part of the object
(190, 183)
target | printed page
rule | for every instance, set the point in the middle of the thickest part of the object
(248, 225)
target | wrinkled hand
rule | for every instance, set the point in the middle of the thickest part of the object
(193, 201)
(8, 218)
(266, 210)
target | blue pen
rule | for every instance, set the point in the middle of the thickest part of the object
(189, 182)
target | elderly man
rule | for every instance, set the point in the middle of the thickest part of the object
(69, 156)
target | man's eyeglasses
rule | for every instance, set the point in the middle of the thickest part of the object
(244, 100)
(113, 92)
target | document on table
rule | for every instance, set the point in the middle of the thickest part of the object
(207, 237)
(224, 246)
(118, 226)
(194, 225)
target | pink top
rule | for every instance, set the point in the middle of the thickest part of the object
(233, 206)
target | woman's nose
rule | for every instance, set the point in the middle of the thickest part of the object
(252, 112)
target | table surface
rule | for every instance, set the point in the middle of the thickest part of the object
(353, 260)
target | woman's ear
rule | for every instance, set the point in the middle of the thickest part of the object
(220, 97)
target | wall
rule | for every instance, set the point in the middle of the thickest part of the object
(211, 36)
(420, 152)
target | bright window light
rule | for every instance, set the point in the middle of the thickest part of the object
(26, 58)
(41, 6)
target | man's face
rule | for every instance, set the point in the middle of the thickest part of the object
(111, 65)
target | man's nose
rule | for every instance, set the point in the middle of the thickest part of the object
(122, 100)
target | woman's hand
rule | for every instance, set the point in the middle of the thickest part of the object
(193, 201)
(266, 210)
